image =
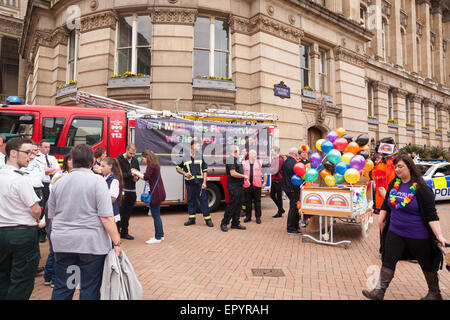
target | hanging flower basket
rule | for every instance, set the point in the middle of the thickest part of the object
(64, 90)
(410, 127)
(308, 92)
(372, 120)
(128, 79)
(392, 123)
(204, 82)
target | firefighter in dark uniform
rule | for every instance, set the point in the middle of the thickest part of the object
(194, 169)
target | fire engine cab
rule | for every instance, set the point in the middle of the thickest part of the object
(111, 124)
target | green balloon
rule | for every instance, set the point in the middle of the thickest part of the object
(311, 175)
(334, 156)
(339, 178)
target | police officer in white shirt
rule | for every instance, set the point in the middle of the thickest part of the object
(19, 212)
(51, 166)
(2, 151)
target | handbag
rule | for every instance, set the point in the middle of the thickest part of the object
(147, 197)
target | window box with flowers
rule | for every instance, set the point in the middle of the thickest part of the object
(410, 126)
(392, 123)
(438, 132)
(204, 82)
(66, 89)
(328, 98)
(308, 92)
(372, 120)
(425, 129)
(128, 79)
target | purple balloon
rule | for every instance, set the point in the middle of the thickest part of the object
(358, 162)
(332, 135)
(315, 159)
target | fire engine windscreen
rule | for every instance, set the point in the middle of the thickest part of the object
(20, 124)
(171, 139)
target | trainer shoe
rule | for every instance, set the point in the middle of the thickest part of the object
(153, 240)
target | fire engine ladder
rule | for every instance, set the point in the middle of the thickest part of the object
(209, 114)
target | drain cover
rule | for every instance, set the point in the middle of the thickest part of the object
(268, 272)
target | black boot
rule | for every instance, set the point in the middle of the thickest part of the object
(189, 222)
(433, 286)
(386, 276)
(209, 223)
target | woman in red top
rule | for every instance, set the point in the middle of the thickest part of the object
(152, 176)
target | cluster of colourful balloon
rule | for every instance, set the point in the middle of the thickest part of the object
(347, 159)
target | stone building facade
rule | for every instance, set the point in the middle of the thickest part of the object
(11, 25)
(373, 66)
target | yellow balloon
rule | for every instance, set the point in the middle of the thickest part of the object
(319, 143)
(346, 157)
(330, 180)
(352, 175)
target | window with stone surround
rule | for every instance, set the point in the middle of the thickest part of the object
(436, 122)
(323, 73)
(419, 66)
(422, 113)
(134, 44)
(362, 15)
(403, 49)
(390, 105)
(305, 65)
(73, 49)
(211, 47)
(369, 97)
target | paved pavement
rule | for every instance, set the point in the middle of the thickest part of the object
(197, 262)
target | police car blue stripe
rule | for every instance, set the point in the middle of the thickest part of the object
(430, 183)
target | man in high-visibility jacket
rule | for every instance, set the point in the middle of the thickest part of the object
(195, 171)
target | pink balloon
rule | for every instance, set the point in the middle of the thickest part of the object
(300, 169)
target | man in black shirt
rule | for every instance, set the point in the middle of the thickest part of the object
(292, 192)
(235, 181)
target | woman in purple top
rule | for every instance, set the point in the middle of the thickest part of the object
(410, 229)
(152, 176)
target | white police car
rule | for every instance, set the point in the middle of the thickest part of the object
(438, 178)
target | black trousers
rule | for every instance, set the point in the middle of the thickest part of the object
(128, 201)
(233, 209)
(293, 216)
(420, 249)
(276, 194)
(45, 194)
(252, 195)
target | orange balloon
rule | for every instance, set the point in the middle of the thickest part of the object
(353, 147)
(365, 148)
(369, 166)
(324, 173)
(341, 132)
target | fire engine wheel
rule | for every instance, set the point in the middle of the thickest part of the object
(214, 197)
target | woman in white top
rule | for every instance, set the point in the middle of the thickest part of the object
(113, 176)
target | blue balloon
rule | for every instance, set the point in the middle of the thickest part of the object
(327, 146)
(296, 180)
(341, 167)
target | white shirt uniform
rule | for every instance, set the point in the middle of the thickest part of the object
(36, 173)
(17, 197)
(2, 160)
(40, 157)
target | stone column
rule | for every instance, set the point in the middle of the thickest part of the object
(429, 120)
(374, 24)
(415, 103)
(446, 45)
(315, 56)
(380, 106)
(172, 54)
(21, 87)
(436, 27)
(411, 33)
(335, 6)
(395, 38)
(423, 13)
(96, 59)
(351, 9)
(400, 114)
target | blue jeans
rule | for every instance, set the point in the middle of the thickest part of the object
(72, 269)
(155, 210)
(49, 271)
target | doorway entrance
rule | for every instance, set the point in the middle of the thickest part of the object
(314, 134)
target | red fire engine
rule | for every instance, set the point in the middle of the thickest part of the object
(109, 123)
